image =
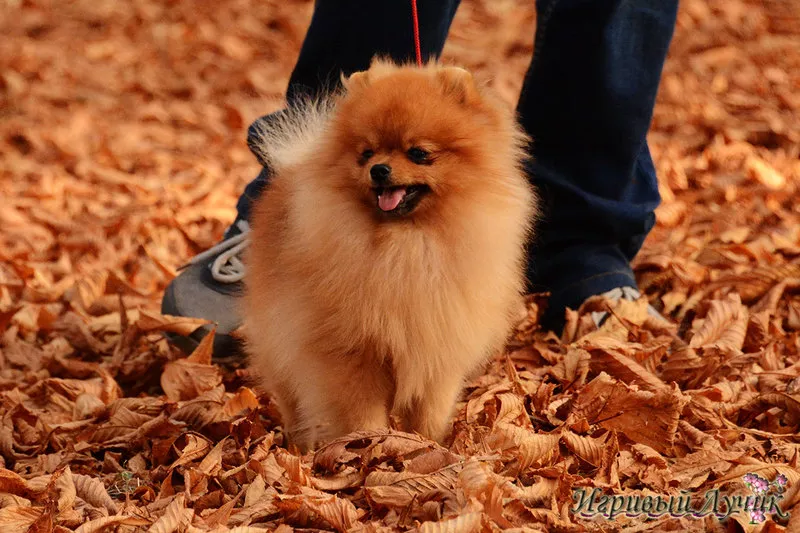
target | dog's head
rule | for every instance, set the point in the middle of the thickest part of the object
(405, 139)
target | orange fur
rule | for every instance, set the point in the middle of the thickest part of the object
(350, 315)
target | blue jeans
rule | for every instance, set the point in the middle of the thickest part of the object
(587, 101)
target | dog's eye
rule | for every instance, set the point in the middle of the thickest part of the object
(366, 154)
(417, 155)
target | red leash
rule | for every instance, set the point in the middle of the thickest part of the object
(416, 32)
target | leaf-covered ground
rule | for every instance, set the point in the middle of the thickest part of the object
(122, 141)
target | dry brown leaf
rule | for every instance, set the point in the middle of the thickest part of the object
(477, 406)
(255, 491)
(465, 523)
(481, 484)
(611, 356)
(90, 287)
(334, 453)
(263, 508)
(63, 485)
(512, 407)
(104, 523)
(195, 448)
(649, 455)
(17, 518)
(754, 284)
(573, 368)
(123, 423)
(92, 491)
(244, 399)
(398, 444)
(768, 470)
(88, 406)
(329, 512)
(529, 448)
(223, 514)
(211, 465)
(649, 418)
(347, 478)
(184, 380)
(398, 489)
(176, 517)
(623, 313)
(13, 483)
(150, 321)
(587, 448)
(724, 327)
(432, 460)
(692, 470)
(340, 513)
(205, 409)
(202, 354)
(608, 471)
(8, 500)
(293, 466)
(683, 365)
(148, 406)
(539, 492)
(271, 470)
(476, 478)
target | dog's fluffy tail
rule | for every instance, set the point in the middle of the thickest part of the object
(291, 135)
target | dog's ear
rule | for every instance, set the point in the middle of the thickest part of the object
(458, 83)
(356, 81)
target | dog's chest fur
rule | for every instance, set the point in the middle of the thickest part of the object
(420, 296)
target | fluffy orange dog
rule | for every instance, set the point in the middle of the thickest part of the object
(387, 255)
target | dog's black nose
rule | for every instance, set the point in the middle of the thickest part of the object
(381, 174)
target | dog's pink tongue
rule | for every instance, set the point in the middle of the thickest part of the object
(390, 199)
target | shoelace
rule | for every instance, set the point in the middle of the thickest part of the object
(228, 266)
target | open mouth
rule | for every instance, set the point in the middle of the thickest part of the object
(400, 200)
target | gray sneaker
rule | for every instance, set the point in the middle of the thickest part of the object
(622, 293)
(208, 287)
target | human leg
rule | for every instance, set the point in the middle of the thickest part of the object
(587, 102)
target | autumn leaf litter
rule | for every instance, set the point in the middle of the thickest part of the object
(123, 152)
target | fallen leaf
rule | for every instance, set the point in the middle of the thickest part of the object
(724, 327)
(649, 418)
(176, 517)
(465, 523)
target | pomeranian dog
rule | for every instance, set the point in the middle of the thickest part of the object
(387, 255)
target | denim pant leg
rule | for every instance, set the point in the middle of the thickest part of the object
(343, 38)
(587, 101)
